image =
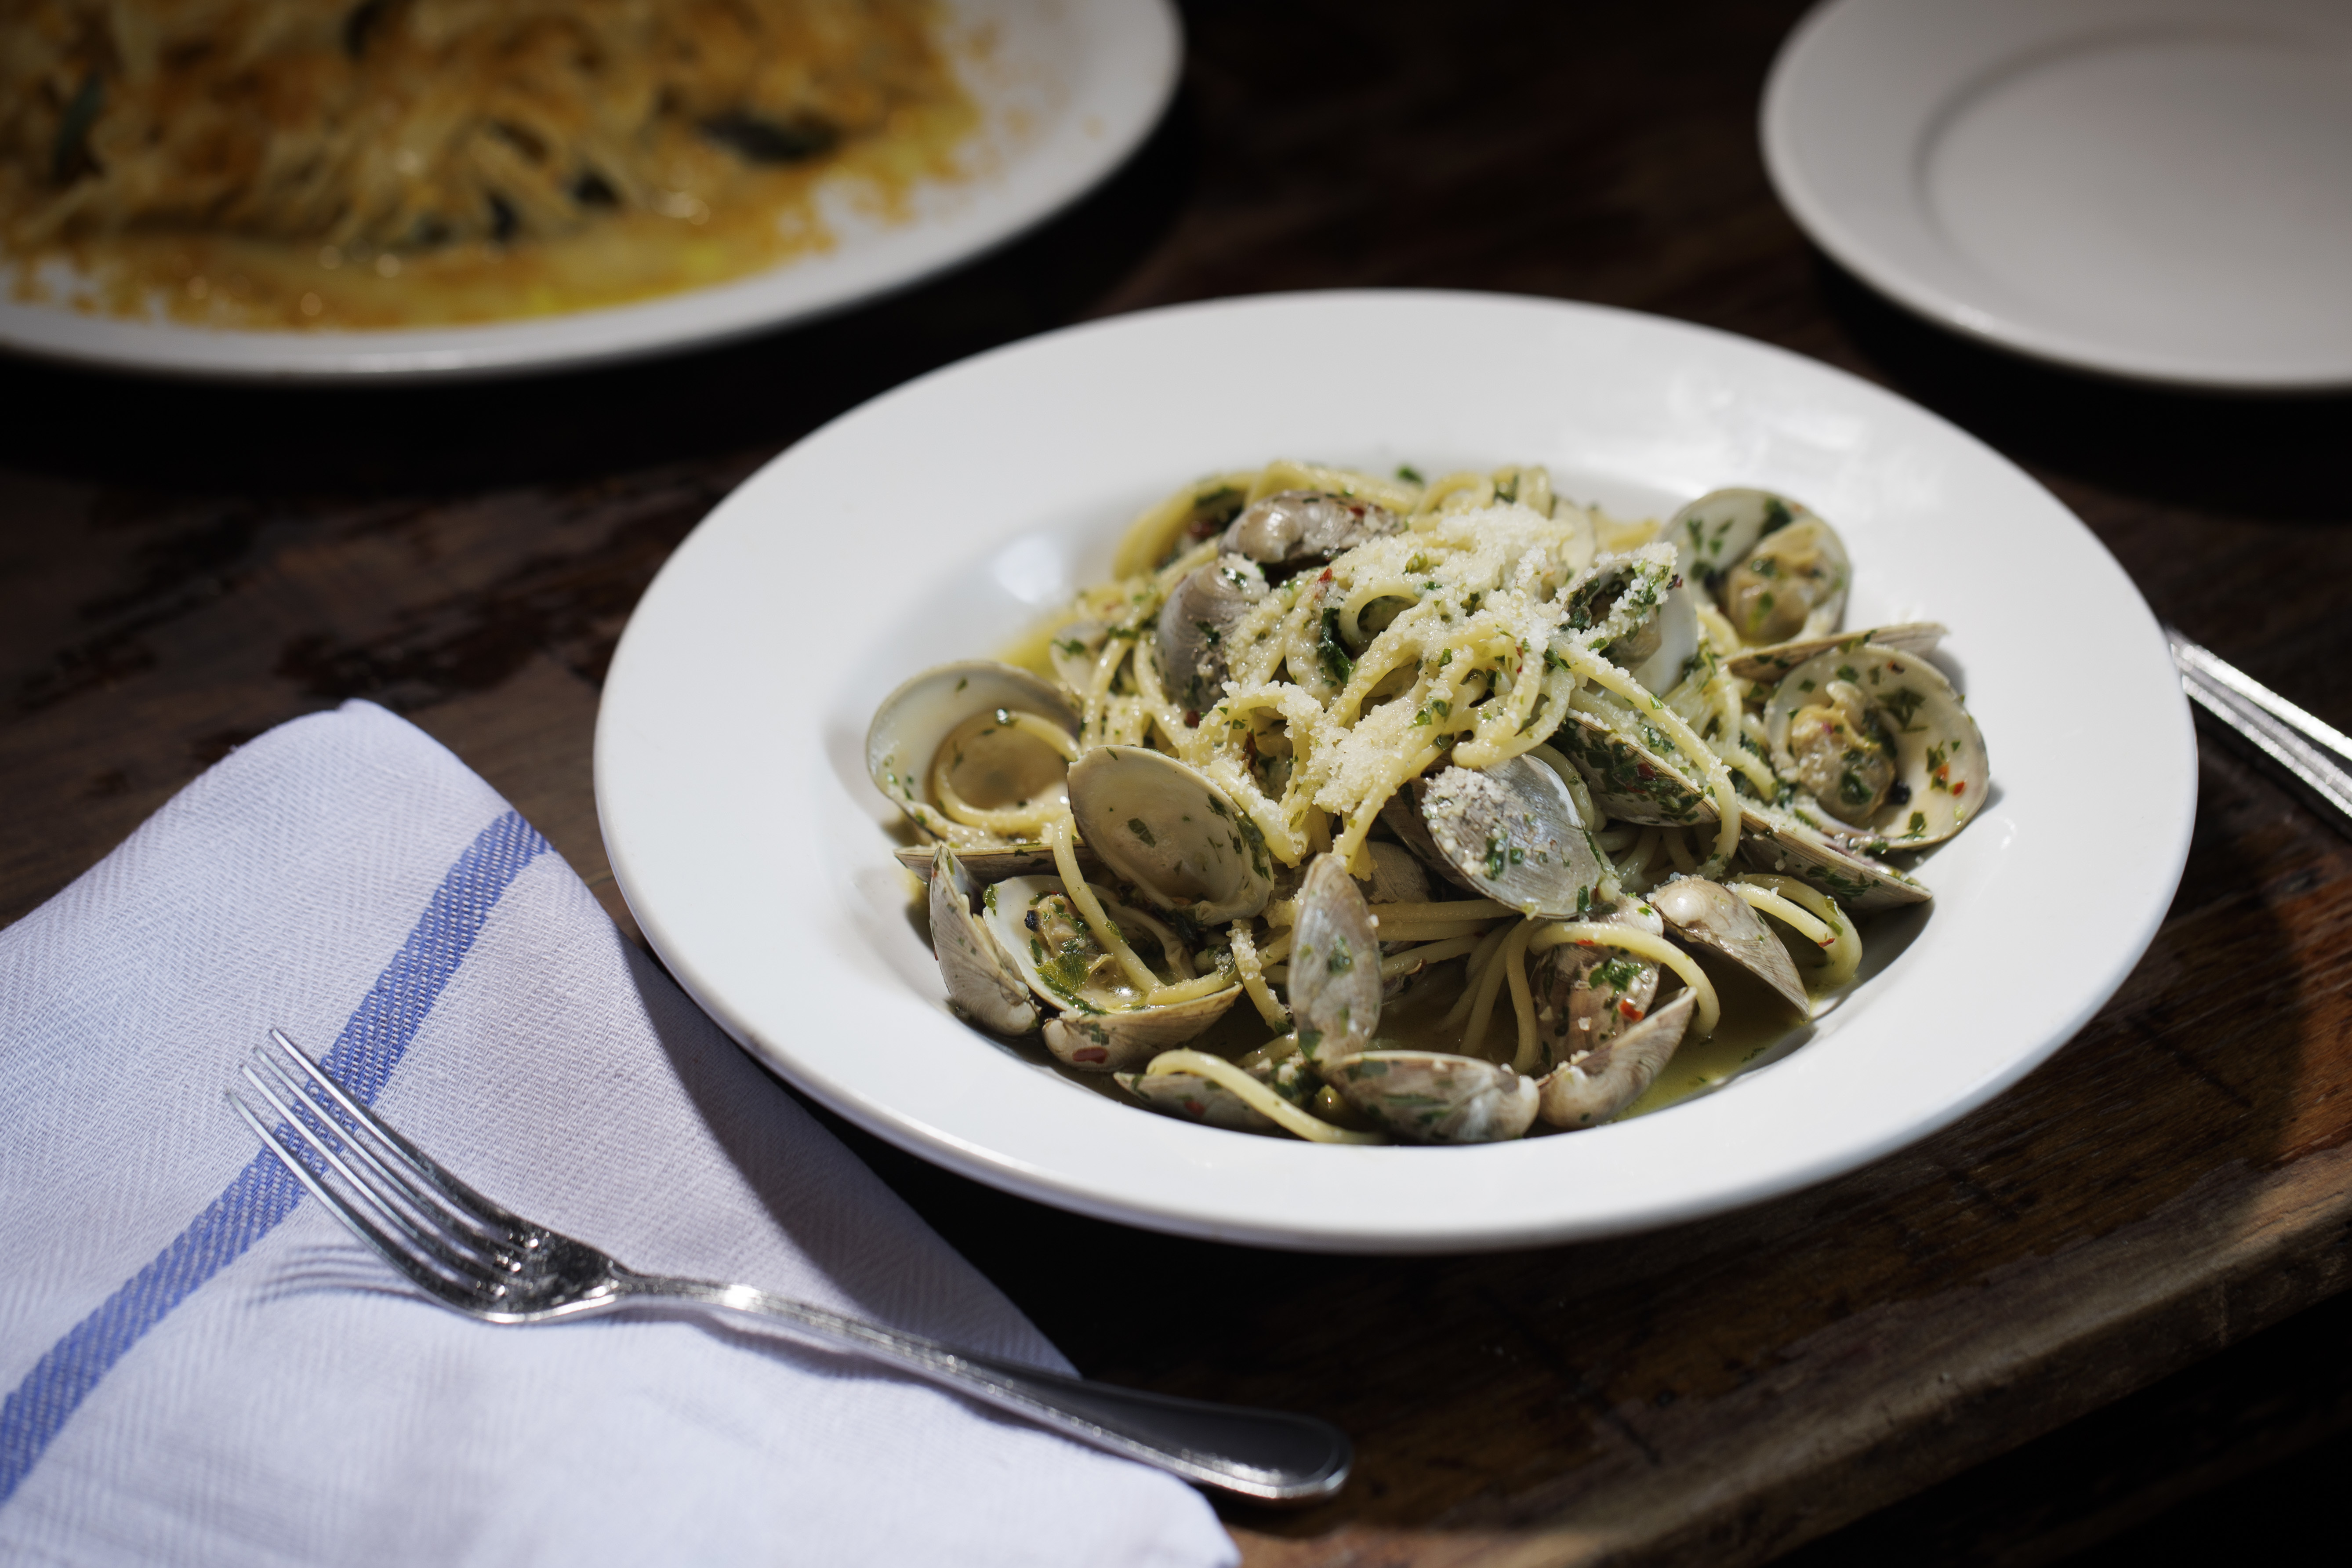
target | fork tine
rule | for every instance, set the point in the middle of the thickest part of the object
(358, 1224)
(432, 1210)
(463, 1270)
(489, 1216)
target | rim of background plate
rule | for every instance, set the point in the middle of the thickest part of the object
(679, 711)
(1133, 53)
(1809, 86)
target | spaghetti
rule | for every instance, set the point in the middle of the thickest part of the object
(1377, 637)
(332, 143)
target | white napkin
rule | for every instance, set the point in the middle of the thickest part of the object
(202, 1369)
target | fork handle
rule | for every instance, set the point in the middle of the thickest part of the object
(1269, 1456)
(2309, 755)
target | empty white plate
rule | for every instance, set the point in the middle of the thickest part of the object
(2158, 189)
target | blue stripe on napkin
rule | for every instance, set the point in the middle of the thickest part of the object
(263, 1193)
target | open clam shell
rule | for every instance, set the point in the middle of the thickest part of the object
(985, 864)
(1162, 826)
(1775, 569)
(1056, 955)
(1201, 613)
(1659, 653)
(983, 983)
(1940, 769)
(1598, 1085)
(1103, 1024)
(1793, 584)
(1715, 532)
(1772, 663)
(1630, 778)
(1335, 965)
(1513, 832)
(1126, 1042)
(1001, 769)
(1402, 816)
(1295, 527)
(1713, 919)
(1431, 1097)
(1777, 840)
(1194, 1098)
(1586, 997)
(1645, 595)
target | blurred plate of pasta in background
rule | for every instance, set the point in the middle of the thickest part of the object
(958, 517)
(332, 189)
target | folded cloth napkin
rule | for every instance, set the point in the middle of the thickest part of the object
(203, 1366)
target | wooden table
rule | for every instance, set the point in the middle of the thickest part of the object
(182, 567)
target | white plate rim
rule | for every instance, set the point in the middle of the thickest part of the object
(659, 744)
(1847, 227)
(1133, 56)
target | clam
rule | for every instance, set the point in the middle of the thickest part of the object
(1191, 635)
(1196, 1098)
(1126, 1042)
(1776, 570)
(1629, 774)
(998, 738)
(1658, 609)
(1775, 839)
(1335, 965)
(1772, 663)
(1431, 1097)
(1298, 528)
(1881, 741)
(1156, 822)
(1401, 816)
(1513, 833)
(1398, 875)
(1423, 1097)
(983, 984)
(1586, 997)
(1104, 1023)
(1594, 1087)
(1713, 919)
(986, 865)
(1659, 653)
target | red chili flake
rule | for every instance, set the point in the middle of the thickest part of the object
(1090, 1054)
(1327, 575)
(1959, 789)
(1644, 770)
(1630, 1011)
(1196, 1108)
(1584, 942)
(1191, 718)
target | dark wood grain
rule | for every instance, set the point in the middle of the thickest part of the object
(2005, 1344)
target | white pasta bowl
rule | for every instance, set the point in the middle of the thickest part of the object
(941, 518)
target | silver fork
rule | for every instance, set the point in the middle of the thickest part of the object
(471, 1255)
(2310, 756)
